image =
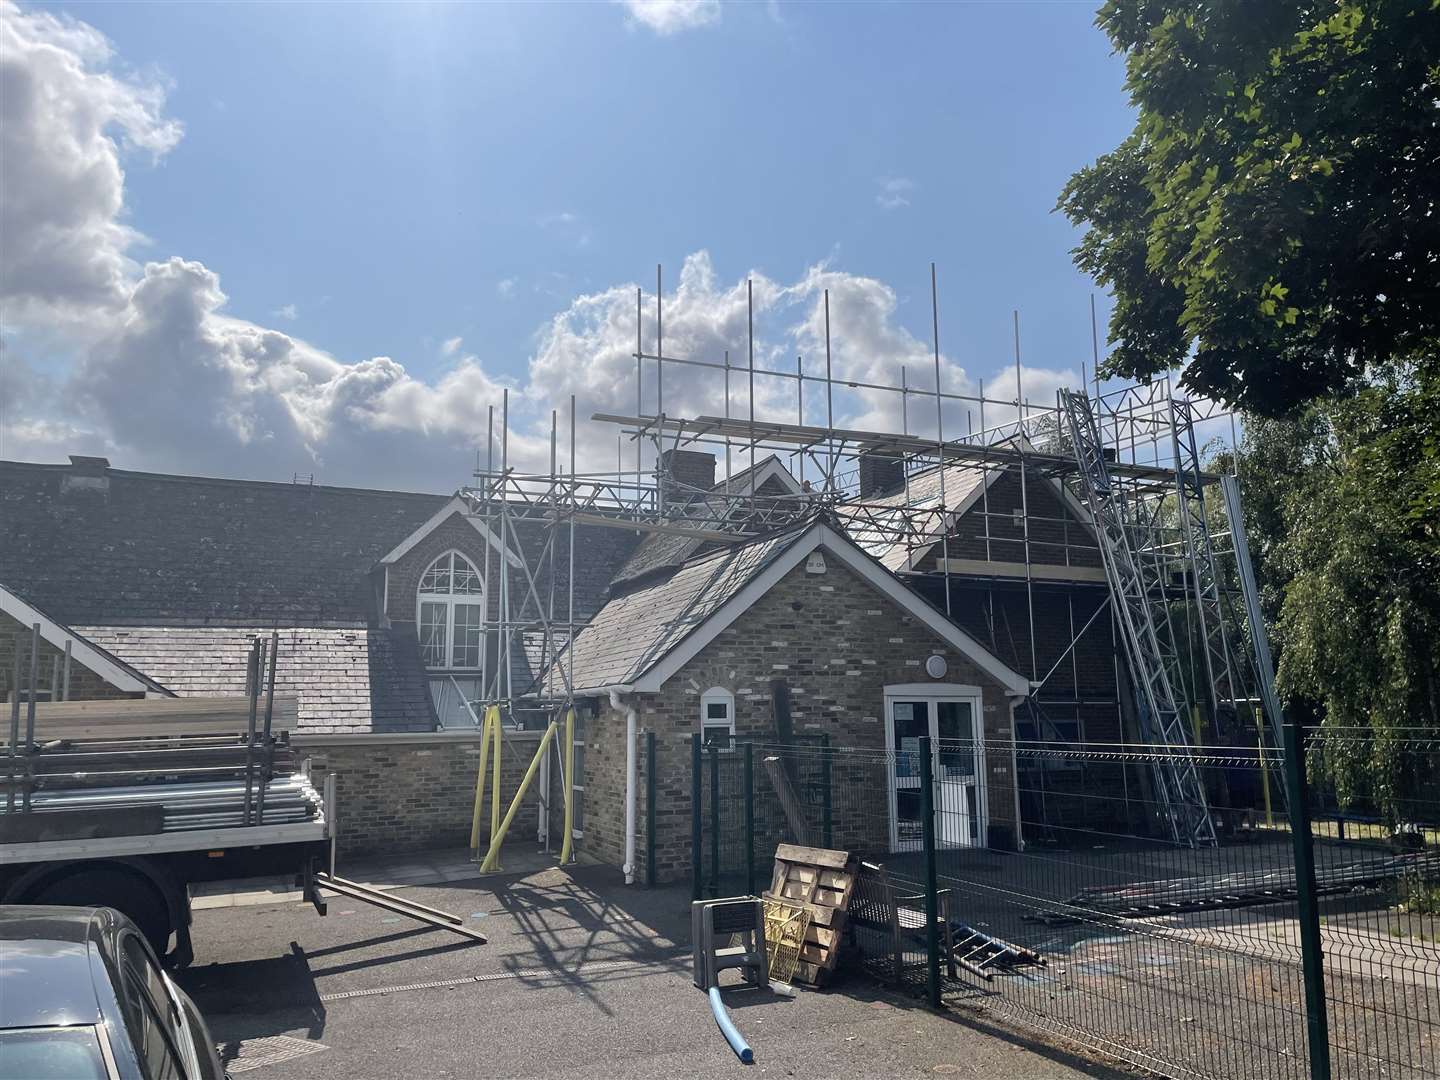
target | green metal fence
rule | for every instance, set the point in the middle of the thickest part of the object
(1037, 880)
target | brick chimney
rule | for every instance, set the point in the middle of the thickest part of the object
(86, 475)
(880, 473)
(682, 470)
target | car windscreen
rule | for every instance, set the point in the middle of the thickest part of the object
(51, 1053)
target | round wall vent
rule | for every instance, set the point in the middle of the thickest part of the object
(936, 667)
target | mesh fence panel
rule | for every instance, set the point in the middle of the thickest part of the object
(1096, 926)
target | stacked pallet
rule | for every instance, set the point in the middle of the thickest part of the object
(820, 881)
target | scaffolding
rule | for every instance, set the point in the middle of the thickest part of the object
(1125, 465)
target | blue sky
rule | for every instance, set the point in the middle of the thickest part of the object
(376, 181)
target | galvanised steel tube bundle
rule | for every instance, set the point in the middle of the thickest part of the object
(194, 806)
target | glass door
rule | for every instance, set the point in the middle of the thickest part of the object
(957, 765)
(909, 720)
(957, 777)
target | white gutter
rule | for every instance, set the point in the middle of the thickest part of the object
(630, 764)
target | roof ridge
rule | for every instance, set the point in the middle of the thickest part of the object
(185, 478)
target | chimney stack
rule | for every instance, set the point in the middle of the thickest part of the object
(86, 475)
(880, 473)
(680, 471)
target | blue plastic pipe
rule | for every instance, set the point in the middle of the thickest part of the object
(727, 1028)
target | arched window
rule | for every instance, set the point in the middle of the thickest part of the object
(450, 614)
(717, 717)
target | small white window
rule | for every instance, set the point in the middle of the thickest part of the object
(717, 717)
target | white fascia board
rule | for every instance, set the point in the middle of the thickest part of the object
(952, 518)
(1079, 509)
(822, 535)
(769, 469)
(773, 470)
(456, 505)
(81, 651)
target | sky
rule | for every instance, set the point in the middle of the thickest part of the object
(263, 240)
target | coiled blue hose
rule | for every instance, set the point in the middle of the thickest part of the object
(727, 1028)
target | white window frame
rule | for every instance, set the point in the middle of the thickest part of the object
(717, 695)
(451, 601)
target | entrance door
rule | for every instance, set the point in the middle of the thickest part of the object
(949, 718)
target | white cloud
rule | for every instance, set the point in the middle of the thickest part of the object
(161, 377)
(667, 17)
(894, 192)
(65, 118)
(287, 311)
(588, 350)
(506, 287)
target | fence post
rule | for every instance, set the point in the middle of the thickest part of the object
(697, 794)
(749, 819)
(1316, 1021)
(715, 819)
(650, 809)
(827, 817)
(932, 898)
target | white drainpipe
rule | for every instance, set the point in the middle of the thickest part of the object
(630, 765)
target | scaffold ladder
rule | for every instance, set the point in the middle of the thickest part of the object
(1140, 608)
(1201, 569)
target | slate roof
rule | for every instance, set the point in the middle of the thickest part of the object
(164, 550)
(347, 681)
(878, 538)
(634, 630)
(665, 551)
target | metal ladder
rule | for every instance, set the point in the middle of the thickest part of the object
(1137, 588)
(1220, 666)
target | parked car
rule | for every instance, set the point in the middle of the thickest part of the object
(82, 997)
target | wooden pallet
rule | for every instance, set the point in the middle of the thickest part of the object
(821, 881)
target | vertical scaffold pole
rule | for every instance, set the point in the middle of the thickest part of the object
(697, 794)
(565, 844)
(492, 719)
(714, 819)
(932, 895)
(749, 819)
(650, 791)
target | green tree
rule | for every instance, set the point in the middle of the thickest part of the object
(1343, 512)
(1273, 222)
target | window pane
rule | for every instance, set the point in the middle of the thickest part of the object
(717, 710)
(467, 635)
(432, 633)
(466, 580)
(55, 1053)
(437, 578)
(717, 735)
(450, 701)
(155, 1042)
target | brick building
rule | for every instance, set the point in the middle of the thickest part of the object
(384, 602)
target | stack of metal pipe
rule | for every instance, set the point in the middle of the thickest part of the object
(215, 805)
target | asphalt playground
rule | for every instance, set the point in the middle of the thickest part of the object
(582, 977)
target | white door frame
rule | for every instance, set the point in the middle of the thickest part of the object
(933, 694)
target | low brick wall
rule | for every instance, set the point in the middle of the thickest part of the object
(403, 793)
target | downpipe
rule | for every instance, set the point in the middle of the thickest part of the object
(630, 768)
